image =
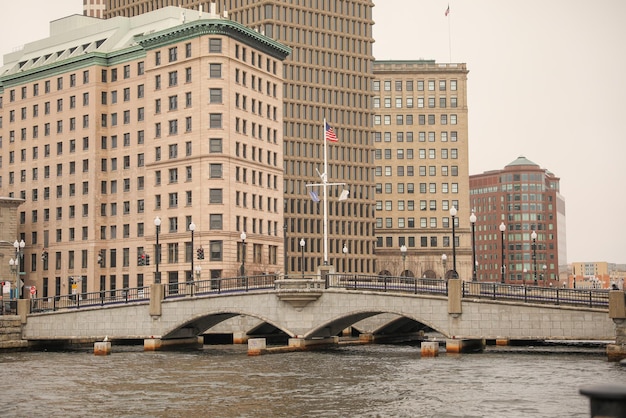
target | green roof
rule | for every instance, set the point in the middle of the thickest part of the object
(521, 160)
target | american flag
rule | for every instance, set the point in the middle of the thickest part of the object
(330, 134)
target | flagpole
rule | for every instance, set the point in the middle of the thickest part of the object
(325, 197)
(449, 37)
(325, 184)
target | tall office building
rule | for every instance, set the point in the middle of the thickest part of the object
(521, 207)
(421, 139)
(327, 76)
(94, 8)
(117, 133)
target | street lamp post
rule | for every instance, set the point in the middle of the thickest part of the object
(19, 251)
(533, 236)
(453, 215)
(403, 252)
(243, 253)
(192, 228)
(345, 259)
(157, 256)
(503, 267)
(444, 258)
(473, 223)
(14, 265)
(302, 244)
(543, 275)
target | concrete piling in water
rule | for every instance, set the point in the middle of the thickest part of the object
(152, 344)
(430, 349)
(102, 348)
(256, 346)
(502, 341)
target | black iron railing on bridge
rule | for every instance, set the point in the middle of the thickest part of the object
(142, 294)
(594, 298)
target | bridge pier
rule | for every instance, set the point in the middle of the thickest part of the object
(617, 312)
(158, 344)
(429, 349)
(304, 344)
(240, 337)
(102, 348)
(464, 345)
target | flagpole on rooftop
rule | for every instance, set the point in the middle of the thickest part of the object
(449, 37)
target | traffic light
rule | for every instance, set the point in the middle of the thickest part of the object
(44, 255)
(200, 253)
(101, 258)
(147, 259)
(141, 259)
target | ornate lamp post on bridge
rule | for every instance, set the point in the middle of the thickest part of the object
(533, 236)
(444, 258)
(192, 228)
(15, 264)
(243, 253)
(302, 244)
(473, 223)
(157, 255)
(403, 252)
(503, 267)
(453, 215)
(345, 258)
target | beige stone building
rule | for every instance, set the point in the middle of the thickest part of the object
(328, 75)
(596, 275)
(421, 157)
(108, 124)
(10, 252)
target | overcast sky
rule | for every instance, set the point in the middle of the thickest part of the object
(547, 81)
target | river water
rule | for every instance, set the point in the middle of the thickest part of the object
(350, 381)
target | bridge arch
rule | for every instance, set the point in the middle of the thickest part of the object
(336, 325)
(202, 322)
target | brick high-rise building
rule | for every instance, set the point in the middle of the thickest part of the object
(525, 199)
(421, 139)
(328, 75)
(108, 124)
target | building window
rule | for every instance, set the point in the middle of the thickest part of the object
(215, 45)
(215, 196)
(215, 251)
(215, 71)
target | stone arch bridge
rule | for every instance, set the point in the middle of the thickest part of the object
(312, 309)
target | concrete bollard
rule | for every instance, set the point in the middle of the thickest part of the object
(102, 348)
(430, 349)
(256, 346)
